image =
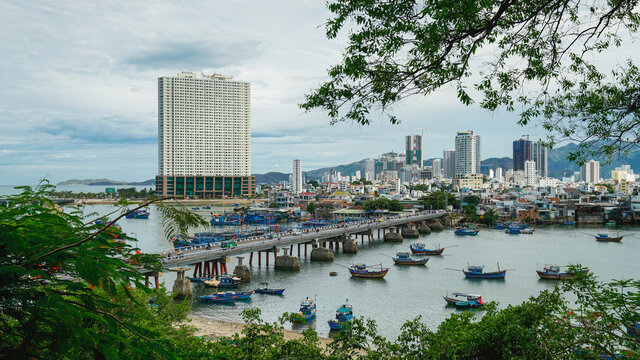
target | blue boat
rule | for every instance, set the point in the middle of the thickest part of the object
(228, 281)
(569, 223)
(421, 249)
(218, 298)
(344, 315)
(138, 214)
(463, 300)
(263, 289)
(500, 227)
(461, 230)
(246, 295)
(477, 272)
(207, 207)
(512, 230)
(307, 310)
(198, 279)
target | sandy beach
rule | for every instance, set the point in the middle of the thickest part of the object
(217, 328)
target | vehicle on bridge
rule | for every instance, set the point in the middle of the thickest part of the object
(228, 245)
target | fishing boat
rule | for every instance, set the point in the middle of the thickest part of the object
(512, 230)
(264, 289)
(344, 314)
(569, 223)
(245, 295)
(528, 231)
(364, 271)
(422, 250)
(463, 300)
(461, 230)
(553, 273)
(477, 272)
(195, 208)
(608, 238)
(201, 279)
(211, 283)
(499, 227)
(138, 214)
(228, 281)
(307, 310)
(218, 298)
(404, 258)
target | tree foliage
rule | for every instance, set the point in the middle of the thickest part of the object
(436, 200)
(382, 204)
(543, 59)
(311, 208)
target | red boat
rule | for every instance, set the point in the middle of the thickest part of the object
(364, 271)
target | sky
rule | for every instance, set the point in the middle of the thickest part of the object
(78, 87)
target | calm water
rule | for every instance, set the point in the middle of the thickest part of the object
(9, 189)
(409, 291)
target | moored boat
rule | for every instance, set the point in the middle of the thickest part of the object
(477, 272)
(404, 258)
(422, 250)
(528, 231)
(364, 271)
(499, 227)
(512, 230)
(553, 273)
(307, 310)
(211, 283)
(344, 314)
(228, 281)
(245, 295)
(138, 214)
(608, 238)
(264, 289)
(464, 300)
(462, 230)
(218, 298)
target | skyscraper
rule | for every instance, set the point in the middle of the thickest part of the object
(467, 153)
(590, 172)
(525, 150)
(436, 167)
(296, 177)
(370, 169)
(530, 173)
(204, 136)
(413, 150)
(448, 163)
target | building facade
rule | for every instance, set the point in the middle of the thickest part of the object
(413, 150)
(296, 178)
(530, 173)
(467, 153)
(590, 172)
(436, 167)
(526, 150)
(448, 163)
(204, 136)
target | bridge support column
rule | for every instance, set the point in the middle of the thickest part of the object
(251, 258)
(157, 281)
(259, 258)
(275, 254)
(223, 266)
(299, 250)
(197, 270)
(291, 250)
(305, 250)
(337, 246)
(268, 258)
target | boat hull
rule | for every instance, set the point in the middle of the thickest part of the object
(461, 303)
(269, 291)
(489, 275)
(467, 233)
(427, 252)
(369, 274)
(411, 262)
(215, 299)
(609, 239)
(244, 295)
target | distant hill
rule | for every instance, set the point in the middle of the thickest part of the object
(347, 169)
(271, 177)
(104, 182)
(505, 163)
(559, 165)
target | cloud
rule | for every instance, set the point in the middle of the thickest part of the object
(194, 55)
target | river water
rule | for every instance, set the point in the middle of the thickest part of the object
(410, 291)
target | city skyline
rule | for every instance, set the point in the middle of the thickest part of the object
(80, 101)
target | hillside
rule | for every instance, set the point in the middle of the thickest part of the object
(104, 182)
(505, 163)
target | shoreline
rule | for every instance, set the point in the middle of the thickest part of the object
(219, 328)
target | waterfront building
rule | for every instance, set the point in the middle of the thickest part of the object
(413, 150)
(526, 150)
(296, 177)
(448, 163)
(204, 136)
(530, 175)
(436, 167)
(467, 153)
(590, 172)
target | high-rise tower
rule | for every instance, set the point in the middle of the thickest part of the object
(467, 153)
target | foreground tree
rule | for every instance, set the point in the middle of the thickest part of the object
(545, 59)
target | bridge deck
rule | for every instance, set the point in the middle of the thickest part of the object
(200, 253)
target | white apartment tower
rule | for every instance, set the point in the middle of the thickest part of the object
(204, 125)
(296, 177)
(530, 175)
(467, 153)
(590, 172)
(436, 167)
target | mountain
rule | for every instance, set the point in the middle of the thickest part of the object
(505, 163)
(347, 169)
(559, 166)
(105, 182)
(271, 177)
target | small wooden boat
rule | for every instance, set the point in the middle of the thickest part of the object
(263, 289)
(608, 238)
(461, 230)
(307, 310)
(528, 231)
(228, 281)
(246, 295)
(553, 273)
(364, 271)
(477, 272)
(404, 258)
(218, 298)
(422, 250)
(199, 279)
(344, 314)
(569, 223)
(211, 283)
(464, 300)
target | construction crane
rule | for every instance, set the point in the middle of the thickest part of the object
(422, 130)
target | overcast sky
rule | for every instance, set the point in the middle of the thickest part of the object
(78, 87)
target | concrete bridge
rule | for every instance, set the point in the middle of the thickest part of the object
(197, 255)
